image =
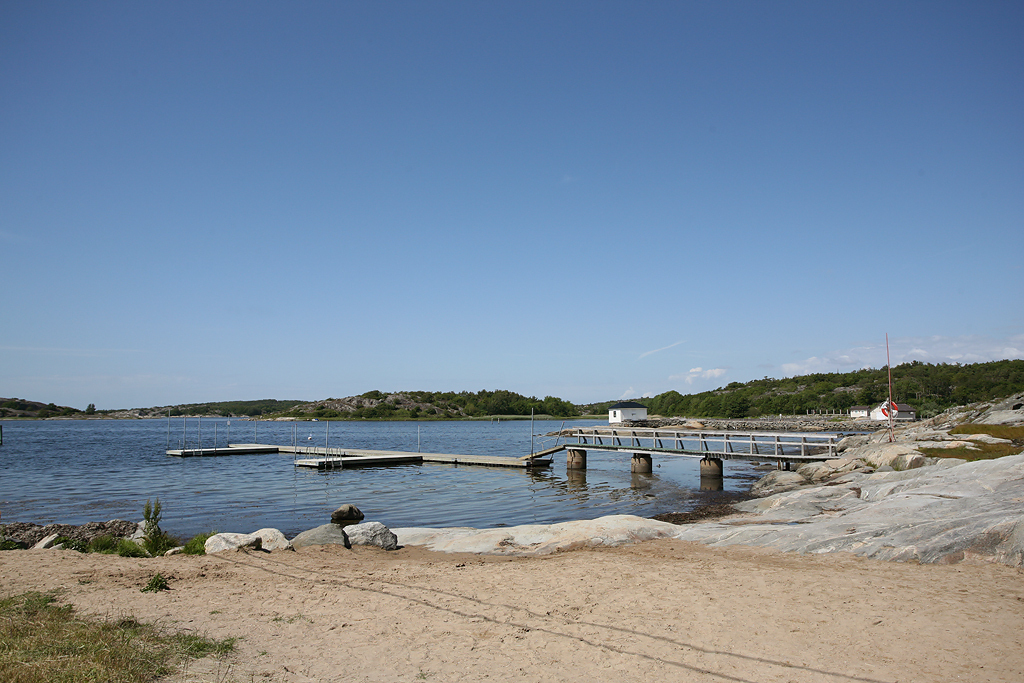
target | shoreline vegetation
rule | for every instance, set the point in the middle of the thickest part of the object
(931, 389)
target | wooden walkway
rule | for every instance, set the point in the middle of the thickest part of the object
(230, 449)
(782, 446)
(338, 458)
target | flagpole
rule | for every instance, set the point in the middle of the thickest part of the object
(888, 363)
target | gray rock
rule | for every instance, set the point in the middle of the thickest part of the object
(175, 551)
(347, 514)
(778, 481)
(46, 542)
(878, 455)
(326, 534)
(372, 533)
(264, 539)
(928, 515)
(908, 461)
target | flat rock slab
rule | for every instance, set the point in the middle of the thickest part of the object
(539, 539)
(929, 515)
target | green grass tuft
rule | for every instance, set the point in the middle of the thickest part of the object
(103, 544)
(197, 544)
(71, 543)
(156, 584)
(126, 548)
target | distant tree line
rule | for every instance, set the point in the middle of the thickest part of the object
(406, 405)
(258, 408)
(928, 388)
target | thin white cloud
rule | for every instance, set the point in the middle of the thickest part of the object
(936, 349)
(628, 393)
(699, 373)
(663, 348)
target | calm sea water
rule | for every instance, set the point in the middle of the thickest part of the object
(76, 471)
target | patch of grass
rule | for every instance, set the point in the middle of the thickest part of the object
(126, 548)
(981, 451)
(156, 583)
(44, 642)
(103, 544)
(1014, 433)
(197, 544)
(71, 543)
(8, 544)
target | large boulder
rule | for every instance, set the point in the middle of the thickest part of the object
(881, 454)
(264, 539)
(372, 533)
(325, 534)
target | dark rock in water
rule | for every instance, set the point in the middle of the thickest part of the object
(29, 534)
(327, 534)
(346, 514)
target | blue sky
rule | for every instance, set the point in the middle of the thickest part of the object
(592, 200)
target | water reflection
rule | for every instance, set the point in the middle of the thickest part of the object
(711, 483)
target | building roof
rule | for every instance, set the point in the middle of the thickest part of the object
(627, 404)
(852, 408)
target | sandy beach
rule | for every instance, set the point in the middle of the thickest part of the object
(659, 610)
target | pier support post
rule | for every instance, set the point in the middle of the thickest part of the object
(641, 464)
(575, 459)
(711, 467)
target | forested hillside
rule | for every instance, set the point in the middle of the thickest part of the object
(433, 405)
(929, 388)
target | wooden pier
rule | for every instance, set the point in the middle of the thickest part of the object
(322, 458)
(230, 449)
(786, 448)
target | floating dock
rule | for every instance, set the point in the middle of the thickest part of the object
(343, 458)
(230, 449)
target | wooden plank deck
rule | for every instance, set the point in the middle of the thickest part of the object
(356, 457)
(230, 449)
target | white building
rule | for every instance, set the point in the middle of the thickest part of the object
(860, 411)
(626, 410)
(905, 412)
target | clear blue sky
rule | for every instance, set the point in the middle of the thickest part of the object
(593, 200)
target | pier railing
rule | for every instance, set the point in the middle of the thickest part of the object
(718, 444)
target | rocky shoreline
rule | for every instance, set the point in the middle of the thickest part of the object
(883, 499)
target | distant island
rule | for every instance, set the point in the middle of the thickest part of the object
(930, 388)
